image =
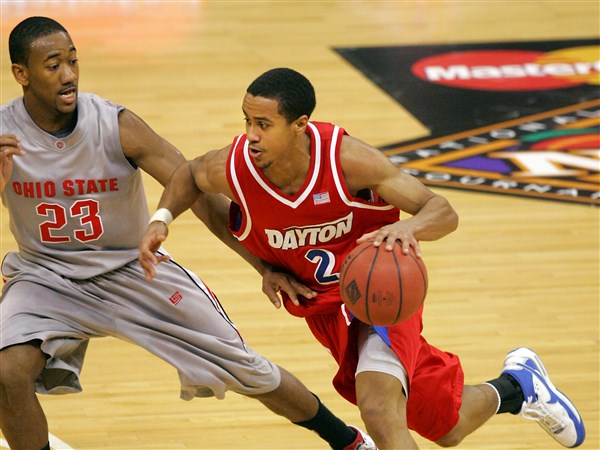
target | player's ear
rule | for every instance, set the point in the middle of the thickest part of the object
(21, 74)
(300, 123)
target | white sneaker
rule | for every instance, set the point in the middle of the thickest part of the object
(545, 404)
(362, 442)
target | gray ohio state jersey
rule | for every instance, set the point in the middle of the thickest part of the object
(77, 204)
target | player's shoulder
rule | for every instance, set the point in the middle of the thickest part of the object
(216, 157)
(323, 126)
(11, 115)
(98, 102)
(326, 130)
(10, 105)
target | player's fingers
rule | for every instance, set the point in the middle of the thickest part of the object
(417, 248)
(384, 235)
(149, 272)
(9, 152)
(366, 237)
(275, 300)
(146, 263)
(406, 242)
(9, 136)
(271, 294)
(10, 147)
(302, 289)
(287, 287)
(147, 256)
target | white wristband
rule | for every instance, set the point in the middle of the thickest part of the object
(162, 215)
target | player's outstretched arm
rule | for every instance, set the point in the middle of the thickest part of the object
(180, 194)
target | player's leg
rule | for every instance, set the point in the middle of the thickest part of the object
(381, 386)
(42, 352)
(22, 420)
(196, 337)
(382, 406)
(479, 404)
(295, 402)
(524, 387)
(289, 399)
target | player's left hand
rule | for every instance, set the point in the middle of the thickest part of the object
(275, 280)
(155, 235)
(9, 147)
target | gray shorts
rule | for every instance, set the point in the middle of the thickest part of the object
(175, 317)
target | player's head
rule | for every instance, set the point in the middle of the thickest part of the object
(294, 93)
(44, 63)
(25, 33)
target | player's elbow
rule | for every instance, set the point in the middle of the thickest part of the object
(452, 218)
(447, 215)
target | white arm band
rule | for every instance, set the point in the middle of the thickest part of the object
(162, 215)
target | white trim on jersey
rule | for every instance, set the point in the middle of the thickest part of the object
(292, 204)
(338, 182)
(238, 189)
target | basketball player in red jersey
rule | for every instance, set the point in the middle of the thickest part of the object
(303, 194)
(71, 177)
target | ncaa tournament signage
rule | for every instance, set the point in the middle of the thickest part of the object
(517, 118)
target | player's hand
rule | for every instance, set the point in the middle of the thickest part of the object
(275, 281)
(399, 231)
(9, 147)
(155, 235)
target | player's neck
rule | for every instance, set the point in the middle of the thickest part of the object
(55, 123)
(290, 172)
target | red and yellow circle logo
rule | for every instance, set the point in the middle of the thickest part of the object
(512, 70)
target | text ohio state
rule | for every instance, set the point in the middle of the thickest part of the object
(67, 188)
(295, 237)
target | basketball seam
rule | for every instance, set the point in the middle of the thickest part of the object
(400, 300)
(368, 283)
(425, 279)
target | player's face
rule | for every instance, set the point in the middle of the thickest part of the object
(269, 134)
(50, 77)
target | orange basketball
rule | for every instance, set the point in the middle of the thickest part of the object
(382, 287)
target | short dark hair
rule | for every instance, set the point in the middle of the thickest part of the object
(293, 91)
(29, 30)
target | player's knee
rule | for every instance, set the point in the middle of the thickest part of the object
(19, 368)
(376, 413)
(452, 439)
(11, 382)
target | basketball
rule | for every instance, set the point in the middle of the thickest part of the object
(382, 287)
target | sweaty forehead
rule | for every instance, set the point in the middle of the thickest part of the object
(51, 45)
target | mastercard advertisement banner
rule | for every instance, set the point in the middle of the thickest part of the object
(517, 118)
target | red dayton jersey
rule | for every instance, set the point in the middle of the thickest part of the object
(310, 232)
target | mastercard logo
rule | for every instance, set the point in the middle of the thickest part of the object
(512, 70)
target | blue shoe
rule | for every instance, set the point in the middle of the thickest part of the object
(545, 404)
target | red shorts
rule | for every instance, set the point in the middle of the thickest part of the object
(435, 377)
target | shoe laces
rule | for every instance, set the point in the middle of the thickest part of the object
(536, 410)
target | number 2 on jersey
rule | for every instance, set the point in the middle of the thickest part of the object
(325, 261)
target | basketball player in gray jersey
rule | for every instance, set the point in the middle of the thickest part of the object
(71, 179)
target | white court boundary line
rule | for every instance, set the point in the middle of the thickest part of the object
(55, 443)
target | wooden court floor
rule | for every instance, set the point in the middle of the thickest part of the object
(516, 272)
